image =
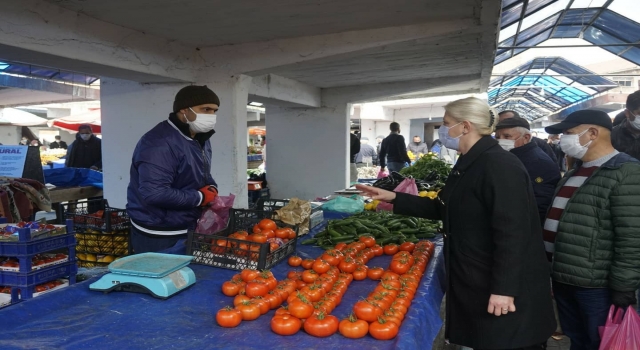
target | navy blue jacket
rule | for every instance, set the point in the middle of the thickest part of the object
(167, 170)
(543, 172)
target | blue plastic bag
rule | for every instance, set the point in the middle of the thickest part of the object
(351, 205)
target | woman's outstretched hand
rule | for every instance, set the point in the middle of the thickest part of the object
(377, 193)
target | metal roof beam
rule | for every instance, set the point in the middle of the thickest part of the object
(637, 44)
(555, 26)
(522, 16)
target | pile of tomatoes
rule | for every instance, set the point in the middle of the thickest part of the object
(12, 264)
(311, 295)
(38, 289)
(266, 231)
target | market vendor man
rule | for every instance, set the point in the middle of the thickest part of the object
(170, 172)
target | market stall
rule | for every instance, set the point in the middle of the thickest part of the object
(77, 317)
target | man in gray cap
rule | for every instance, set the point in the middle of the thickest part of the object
(514, 135)
(170, 177)
(593, 228)
(367, 154)
(541, 143)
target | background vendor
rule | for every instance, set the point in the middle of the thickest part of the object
(171, 172)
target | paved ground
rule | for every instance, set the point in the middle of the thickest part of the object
(439, 344)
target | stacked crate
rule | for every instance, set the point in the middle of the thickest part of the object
(23, 278)
(102, 232)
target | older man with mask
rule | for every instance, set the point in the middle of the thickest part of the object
(540, 142)
(593, 228)
(514, 135)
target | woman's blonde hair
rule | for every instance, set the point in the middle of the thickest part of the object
(476, 112)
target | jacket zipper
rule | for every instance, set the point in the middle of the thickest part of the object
(204, 164)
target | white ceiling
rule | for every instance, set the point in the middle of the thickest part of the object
(219, 22)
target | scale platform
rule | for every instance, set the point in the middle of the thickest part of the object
(161, 275)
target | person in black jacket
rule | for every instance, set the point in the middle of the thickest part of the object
(514, 135)
(354, 149)
(393, 151)
(85, 151)
(540, 142)
(498, 288)
(58, 143)
(626, 136)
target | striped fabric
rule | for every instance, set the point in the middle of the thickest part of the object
(560, 203)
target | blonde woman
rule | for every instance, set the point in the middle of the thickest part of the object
(498, 290)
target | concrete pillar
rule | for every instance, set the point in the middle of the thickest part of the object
(229, 143)
(308, 151)
(130, 109)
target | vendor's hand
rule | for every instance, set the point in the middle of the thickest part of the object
(94, 168)
(377, 193)
(501, 305)
(209, 194)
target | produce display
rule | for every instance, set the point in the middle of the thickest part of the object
(43, 287)
(10, 232)
(384, 227)
(430, 169)
(38, 261)
(51, 155)
(312, 295)
(266, 231)
(368, 172)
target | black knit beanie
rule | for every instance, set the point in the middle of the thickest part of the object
(194, 95)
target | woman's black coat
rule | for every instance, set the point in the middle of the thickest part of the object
(493, 245)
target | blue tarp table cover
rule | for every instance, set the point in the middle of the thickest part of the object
(75, 317)
(72, 177)
(254, 157)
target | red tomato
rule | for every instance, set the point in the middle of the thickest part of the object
(231, 288)
(228, 317)
(267, 224)
(407, 247)
(249, 310)
(321, 325)
(365, 310)
(285, 324)
(295, 261)
(375, 273)
(300, 309)
(307, 263)
(320, 266)
(368, 241)
(256, 289)
(353, 328)
(391, 249)
(383, 330)
(249, 275)
(282, 233)
(360, 273)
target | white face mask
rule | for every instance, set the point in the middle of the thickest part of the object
(85, 137)
(636, 122)
(555, 142)
(203, 123)
(508, 145)
(570, 144)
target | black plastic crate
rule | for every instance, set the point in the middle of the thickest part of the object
(96, 215)
(255, 197)
(219, 250)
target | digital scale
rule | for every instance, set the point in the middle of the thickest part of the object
(161, 275)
